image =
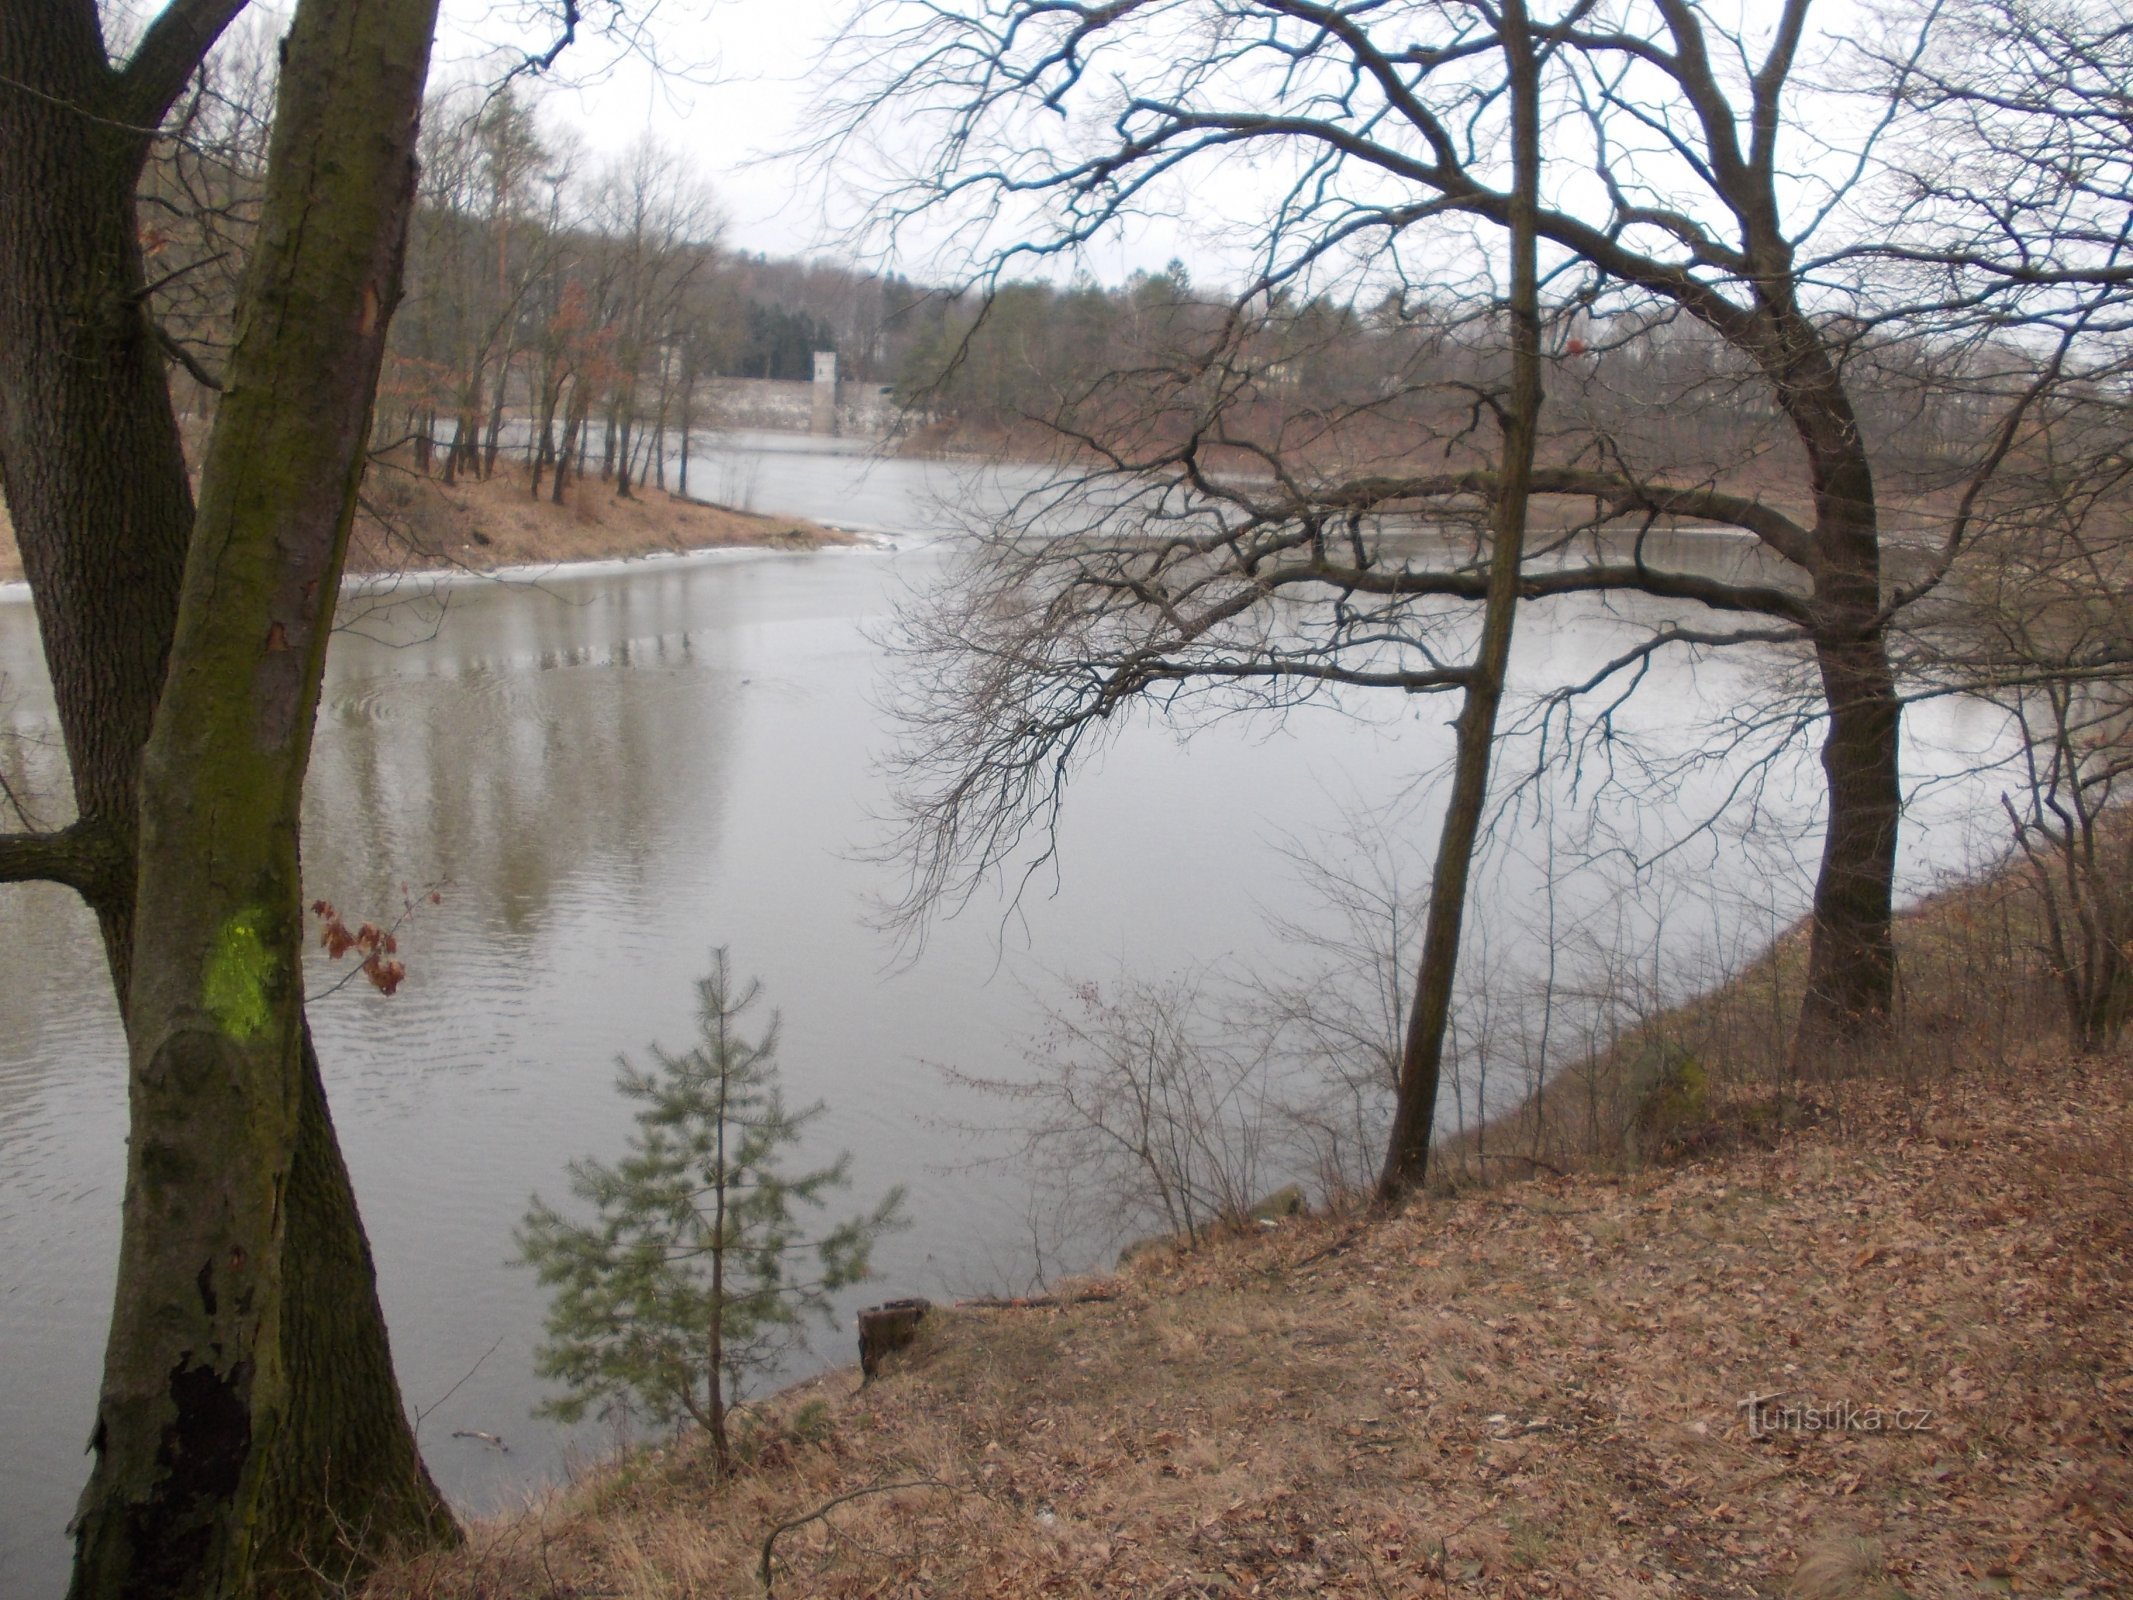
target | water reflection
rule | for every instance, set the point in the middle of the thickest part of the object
(606, 775)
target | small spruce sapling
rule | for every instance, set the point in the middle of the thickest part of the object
(700, 1269)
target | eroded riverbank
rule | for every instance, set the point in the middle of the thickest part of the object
(411, 523)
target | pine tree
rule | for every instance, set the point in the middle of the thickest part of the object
(700, 1270)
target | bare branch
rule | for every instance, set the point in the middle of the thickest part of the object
(85, 859)
(169, 53)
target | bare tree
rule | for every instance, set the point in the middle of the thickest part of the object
(1670, 196)
(1141, 1109)
(657, 230)
(2013, 237)
(1414, 1111)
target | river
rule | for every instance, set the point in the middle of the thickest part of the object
(607, 772)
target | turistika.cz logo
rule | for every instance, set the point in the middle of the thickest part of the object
(1778, 1412)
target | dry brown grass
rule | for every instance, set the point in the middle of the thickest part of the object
(1532, 1390)
(483, 526)
(411, 521)
(1973, 988)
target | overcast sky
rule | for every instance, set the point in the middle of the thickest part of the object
(730, 92)
(738, 84)
(733, 86)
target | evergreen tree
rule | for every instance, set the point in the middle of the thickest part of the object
(700, 1269)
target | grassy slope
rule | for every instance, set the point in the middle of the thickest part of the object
(1521, 1390)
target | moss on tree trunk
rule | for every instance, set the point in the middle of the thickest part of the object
(194, 1430)
(97, 488)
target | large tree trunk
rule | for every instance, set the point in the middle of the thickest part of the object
(90, 457)
(1851, 965)
(97, 488)
(1851, 979)
(346, 1483)
(96, 485)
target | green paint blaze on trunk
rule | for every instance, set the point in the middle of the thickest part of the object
(241, 972)
(217, 1129)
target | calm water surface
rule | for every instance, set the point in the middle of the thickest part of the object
(610, 772)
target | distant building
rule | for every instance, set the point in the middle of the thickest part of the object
(824, 419)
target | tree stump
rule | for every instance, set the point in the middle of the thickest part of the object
(887, 1327)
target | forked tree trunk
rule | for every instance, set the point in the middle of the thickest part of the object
(221, 1385)
(97, 489)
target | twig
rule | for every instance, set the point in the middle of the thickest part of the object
(1538, 1211)
(1038, 1302)
(1533, 1161)
(424, 1411)
(1333, 1249)
(762, 1570)
(185, 358)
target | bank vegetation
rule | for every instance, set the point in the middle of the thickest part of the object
(1530, 1381)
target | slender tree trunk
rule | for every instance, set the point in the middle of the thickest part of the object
(1429, 1018)
(222, 1382)
(659, 431)
(721, 1452)
(466, 437)
(688, 412)
(540, 449)
(573, 439)
(496, 416)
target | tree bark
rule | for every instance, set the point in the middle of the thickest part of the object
(540, 450)
(346, 1482)
(216, 1377)
(96, 484)
(1414, 1115)
(97, 487)
(90, 458)
(1851, 980)
(1851, 966)
(688, 417)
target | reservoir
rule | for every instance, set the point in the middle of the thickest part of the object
(605, 773)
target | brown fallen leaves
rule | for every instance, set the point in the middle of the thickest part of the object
(1533, 1391)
